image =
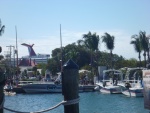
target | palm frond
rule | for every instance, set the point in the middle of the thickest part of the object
(108, 40)
(1, 28)
(144, 40)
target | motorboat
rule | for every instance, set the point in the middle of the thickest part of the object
(10, 93)
(8, 90)
(42, 87)
(110, 85)
(134, 87)
(8, 87)
(45, 86)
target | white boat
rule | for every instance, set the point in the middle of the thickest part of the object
(8, 90)
(51, 87)
(132, 89)
(133, 85)
(9, 93)
(110, 86)
(42, 87)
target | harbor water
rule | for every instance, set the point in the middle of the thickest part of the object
(91, 102)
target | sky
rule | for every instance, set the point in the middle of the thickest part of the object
(38, 22)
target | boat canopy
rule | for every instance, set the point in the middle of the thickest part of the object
(132, 73)
(112, 70)
(116, 72)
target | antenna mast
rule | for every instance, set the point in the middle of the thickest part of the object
(16, 50)
(61, 50)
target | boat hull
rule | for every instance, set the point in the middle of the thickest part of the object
(110, 89)
(42, 88)
(134, 93)
(52, 88)
(115, 90)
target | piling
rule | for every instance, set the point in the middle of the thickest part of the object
(70, 81)
(2, 83)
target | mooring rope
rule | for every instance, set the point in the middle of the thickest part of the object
(69, 102)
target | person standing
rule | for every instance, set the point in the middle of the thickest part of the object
(47, 75)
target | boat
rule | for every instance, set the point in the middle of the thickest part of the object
(42, 87)
(110, 89)
(8, 87)
(51, 87)
(10, 93)
(134, 87)
(110, 84)
(8, 90)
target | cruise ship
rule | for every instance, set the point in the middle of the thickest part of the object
(38, 58)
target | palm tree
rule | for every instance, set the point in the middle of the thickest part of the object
(137, 46)
(91, 41)
(109, 41)
(148, 37)
(144, 43)
(1, 31)
(1, 28)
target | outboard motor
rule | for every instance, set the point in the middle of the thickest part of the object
(127, 85)
(104, 83)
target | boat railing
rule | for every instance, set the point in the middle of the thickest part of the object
(21, 83)
(131, 80)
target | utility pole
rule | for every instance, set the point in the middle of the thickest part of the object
(14, 55)
(61, 50)
(10, 51)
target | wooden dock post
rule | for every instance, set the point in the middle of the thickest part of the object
(70, 81)
(2, 83)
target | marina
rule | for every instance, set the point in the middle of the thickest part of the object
(90, 102)
(84, 65)
(107, 87)
(48, 89)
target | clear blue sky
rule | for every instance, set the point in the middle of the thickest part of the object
(38, 22)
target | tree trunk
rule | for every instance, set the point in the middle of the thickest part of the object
(140, 59)
(111, 57)
(144, 59)
(148, 56)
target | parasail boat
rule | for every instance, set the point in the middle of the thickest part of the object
(110, 85)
